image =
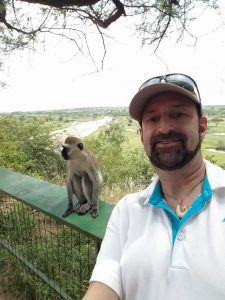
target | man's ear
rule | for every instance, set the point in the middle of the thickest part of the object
(203, 126)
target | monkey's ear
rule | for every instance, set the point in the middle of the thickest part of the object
(80, 146)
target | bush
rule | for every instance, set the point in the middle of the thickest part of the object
(27, 147)
(123, 170)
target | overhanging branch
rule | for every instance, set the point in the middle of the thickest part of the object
(62, 3)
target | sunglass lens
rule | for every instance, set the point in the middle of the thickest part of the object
(182, 81)
(150, 81)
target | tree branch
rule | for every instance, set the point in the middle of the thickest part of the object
(62, 3)
(154, 19)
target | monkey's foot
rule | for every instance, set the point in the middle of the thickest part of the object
(68, 212)
(94, 212)
(77, 207)
(83, 208)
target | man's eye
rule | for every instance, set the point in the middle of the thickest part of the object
(153, 119)
(177, 115)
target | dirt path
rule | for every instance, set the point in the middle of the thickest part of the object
(81, 129)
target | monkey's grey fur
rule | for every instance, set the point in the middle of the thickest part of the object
(84, 177)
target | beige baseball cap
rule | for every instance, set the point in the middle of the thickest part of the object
(176, 82)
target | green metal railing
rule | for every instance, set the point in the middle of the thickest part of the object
(60, 252)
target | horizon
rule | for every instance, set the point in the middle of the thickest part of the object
(87, 108)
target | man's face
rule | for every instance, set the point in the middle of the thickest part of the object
(171, 131)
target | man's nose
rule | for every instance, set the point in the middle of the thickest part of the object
(166, 125)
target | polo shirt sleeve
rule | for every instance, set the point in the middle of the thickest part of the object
(106, 269)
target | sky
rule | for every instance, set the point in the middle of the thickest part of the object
(54, 78)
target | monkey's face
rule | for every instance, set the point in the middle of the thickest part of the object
(64, 152)
(71, 148)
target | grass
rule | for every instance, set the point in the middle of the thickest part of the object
(216, 129)
(134, 140)
(212, 141)
(113, 194)
(218, 158)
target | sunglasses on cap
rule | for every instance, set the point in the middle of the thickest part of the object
(178, 79)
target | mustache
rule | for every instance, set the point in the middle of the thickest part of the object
(165, 137)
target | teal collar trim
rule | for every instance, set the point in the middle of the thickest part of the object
(156, 197)
(157, 200)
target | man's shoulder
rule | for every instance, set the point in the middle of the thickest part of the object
(215, 174)
(211, 167)
(139, 198)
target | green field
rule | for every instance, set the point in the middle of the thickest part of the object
(216, 129)
(212, 140)
(218, 158)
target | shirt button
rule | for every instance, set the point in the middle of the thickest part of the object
(180, 236)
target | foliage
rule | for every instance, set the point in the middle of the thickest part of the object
(27, 147)
(216, 120)
(62, 254)
(220, 145)
(22, 22)
(64, 117)
(216, 111)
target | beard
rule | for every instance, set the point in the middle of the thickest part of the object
(170, 160)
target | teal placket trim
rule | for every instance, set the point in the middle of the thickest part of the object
(157, 200)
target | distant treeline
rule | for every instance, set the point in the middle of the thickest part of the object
(214, 110)
(96, 112)
(74, 112)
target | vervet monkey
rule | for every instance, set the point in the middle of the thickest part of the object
(84, 177)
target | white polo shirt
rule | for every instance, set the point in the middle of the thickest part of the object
(149, 254)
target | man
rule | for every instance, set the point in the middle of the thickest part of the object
(168, 241)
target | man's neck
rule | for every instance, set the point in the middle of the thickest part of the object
(178, 182)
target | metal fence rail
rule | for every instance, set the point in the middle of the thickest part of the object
(34, 238)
